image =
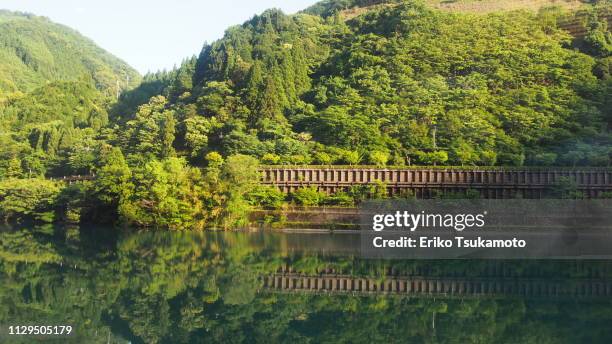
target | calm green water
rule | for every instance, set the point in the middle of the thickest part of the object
(209, 288)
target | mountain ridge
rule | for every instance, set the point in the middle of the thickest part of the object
(351, 8)
(35, 50)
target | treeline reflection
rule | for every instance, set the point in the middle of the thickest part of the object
(166, 287)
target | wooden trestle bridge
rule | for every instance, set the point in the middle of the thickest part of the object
(424, 182)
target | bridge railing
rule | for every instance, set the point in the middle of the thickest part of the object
(491, 183)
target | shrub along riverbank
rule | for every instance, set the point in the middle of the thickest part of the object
(164, 193)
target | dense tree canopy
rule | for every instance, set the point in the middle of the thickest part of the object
(399, 83)
(417, 84)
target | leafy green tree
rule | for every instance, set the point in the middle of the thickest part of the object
(214, 160)
(351, 157)
(544, 159)
(599, 39)
(488, 157)
(183, 80)
(270, 159)
(28, 199)
(323, 158)
(196, 135)
(33, 165)
(168, 129)
(379, 158)
(13, 170)
(464, 153)
(166, 195)
(152, 130)
(240, 175)
(433, 158)
(266, 196)
(113, 184)
(308, 196)
(82, 157)
(573, 157)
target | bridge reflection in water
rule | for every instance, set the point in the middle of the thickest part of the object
(287, 280)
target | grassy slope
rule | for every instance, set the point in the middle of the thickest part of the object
(34, 50)
(487, 6)
(478, 6)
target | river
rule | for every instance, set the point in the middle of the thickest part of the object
(118, 286)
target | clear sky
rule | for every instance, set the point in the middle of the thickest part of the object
(151, 34)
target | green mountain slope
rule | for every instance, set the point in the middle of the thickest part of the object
(55, 89)
(34, 50)
(397, 84)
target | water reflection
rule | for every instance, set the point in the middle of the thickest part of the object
(115, 287)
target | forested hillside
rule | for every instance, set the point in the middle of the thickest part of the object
(34, 50)
(396, 85)
(400, 84)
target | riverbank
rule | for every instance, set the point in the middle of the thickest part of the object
(306, 219)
